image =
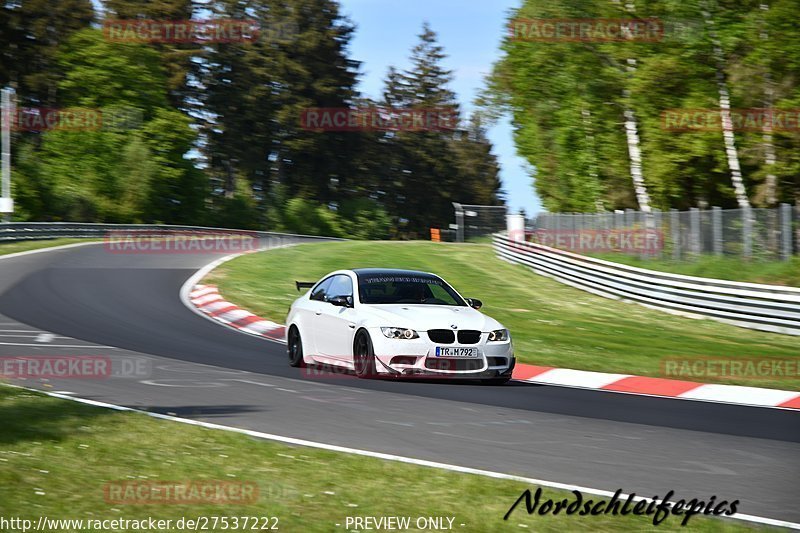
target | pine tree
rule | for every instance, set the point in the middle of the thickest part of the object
(424, 182)
(176, 57)
(30, 34)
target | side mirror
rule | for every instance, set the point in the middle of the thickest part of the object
(474, 303)
(341, 301)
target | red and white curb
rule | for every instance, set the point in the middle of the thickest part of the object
(668, 388)
(207, 300)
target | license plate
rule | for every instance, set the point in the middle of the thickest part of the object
(449, 351)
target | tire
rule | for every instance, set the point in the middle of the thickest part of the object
(496, 381)
(363, 356)
(294, 347)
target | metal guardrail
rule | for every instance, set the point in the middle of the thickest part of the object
(750, 305)
(21, 231)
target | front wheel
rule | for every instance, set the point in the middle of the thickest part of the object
(295, 348)
(363, 356)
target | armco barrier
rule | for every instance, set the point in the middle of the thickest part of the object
(21, 231)
(764, 307)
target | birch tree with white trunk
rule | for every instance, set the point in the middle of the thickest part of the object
(725, 113)
(632, 135)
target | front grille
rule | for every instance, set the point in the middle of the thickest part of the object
(442, 336)
(469, 336)
(453, 364)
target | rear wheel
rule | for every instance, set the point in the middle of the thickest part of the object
(295, 348)
(363, 356)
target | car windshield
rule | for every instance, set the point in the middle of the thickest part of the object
(403, 289)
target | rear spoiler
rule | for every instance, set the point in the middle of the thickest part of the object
(304, 284)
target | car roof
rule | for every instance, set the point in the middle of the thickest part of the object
(366, 272)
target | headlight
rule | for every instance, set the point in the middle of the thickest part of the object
(498, 335)
(400, 333)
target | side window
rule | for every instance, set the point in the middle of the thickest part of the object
(321, 291)
(440, 294)
(341, 286)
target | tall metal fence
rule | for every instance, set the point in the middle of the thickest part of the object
(474, 221)
(749, 233)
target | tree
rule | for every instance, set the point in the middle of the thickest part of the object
(583, 111)
(31, 32)
(176, 57)
(253, 95)
(425, 176)
(478, 169)
(135, 173)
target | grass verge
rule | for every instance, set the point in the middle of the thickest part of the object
(552, 324)
(728, 268)
(57, 456)
(24, 246)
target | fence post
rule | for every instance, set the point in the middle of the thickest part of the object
(618, 219)
(716, 221)
(694, 230)
(643, 226)
(786, 231)
(747, 233)
(658, 233)
(675, 232)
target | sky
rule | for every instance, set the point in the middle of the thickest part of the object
(470, 32)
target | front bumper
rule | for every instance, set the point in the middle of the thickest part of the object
(416, 358)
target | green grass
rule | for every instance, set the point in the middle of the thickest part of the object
(24, 246)
(56, 456)
(729, 268)
(552, 324)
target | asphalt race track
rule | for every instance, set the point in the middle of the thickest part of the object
(88, 301)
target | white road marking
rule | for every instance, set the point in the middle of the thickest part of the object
(252, 382)
(50, 249)
(193, 384)
(57, 345)
(45, 337)
(391, 457)
(26, 335)
(187, 369)
(395, 423)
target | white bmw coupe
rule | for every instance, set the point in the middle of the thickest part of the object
(394, 323)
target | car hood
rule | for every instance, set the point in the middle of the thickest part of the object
(425, 317)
